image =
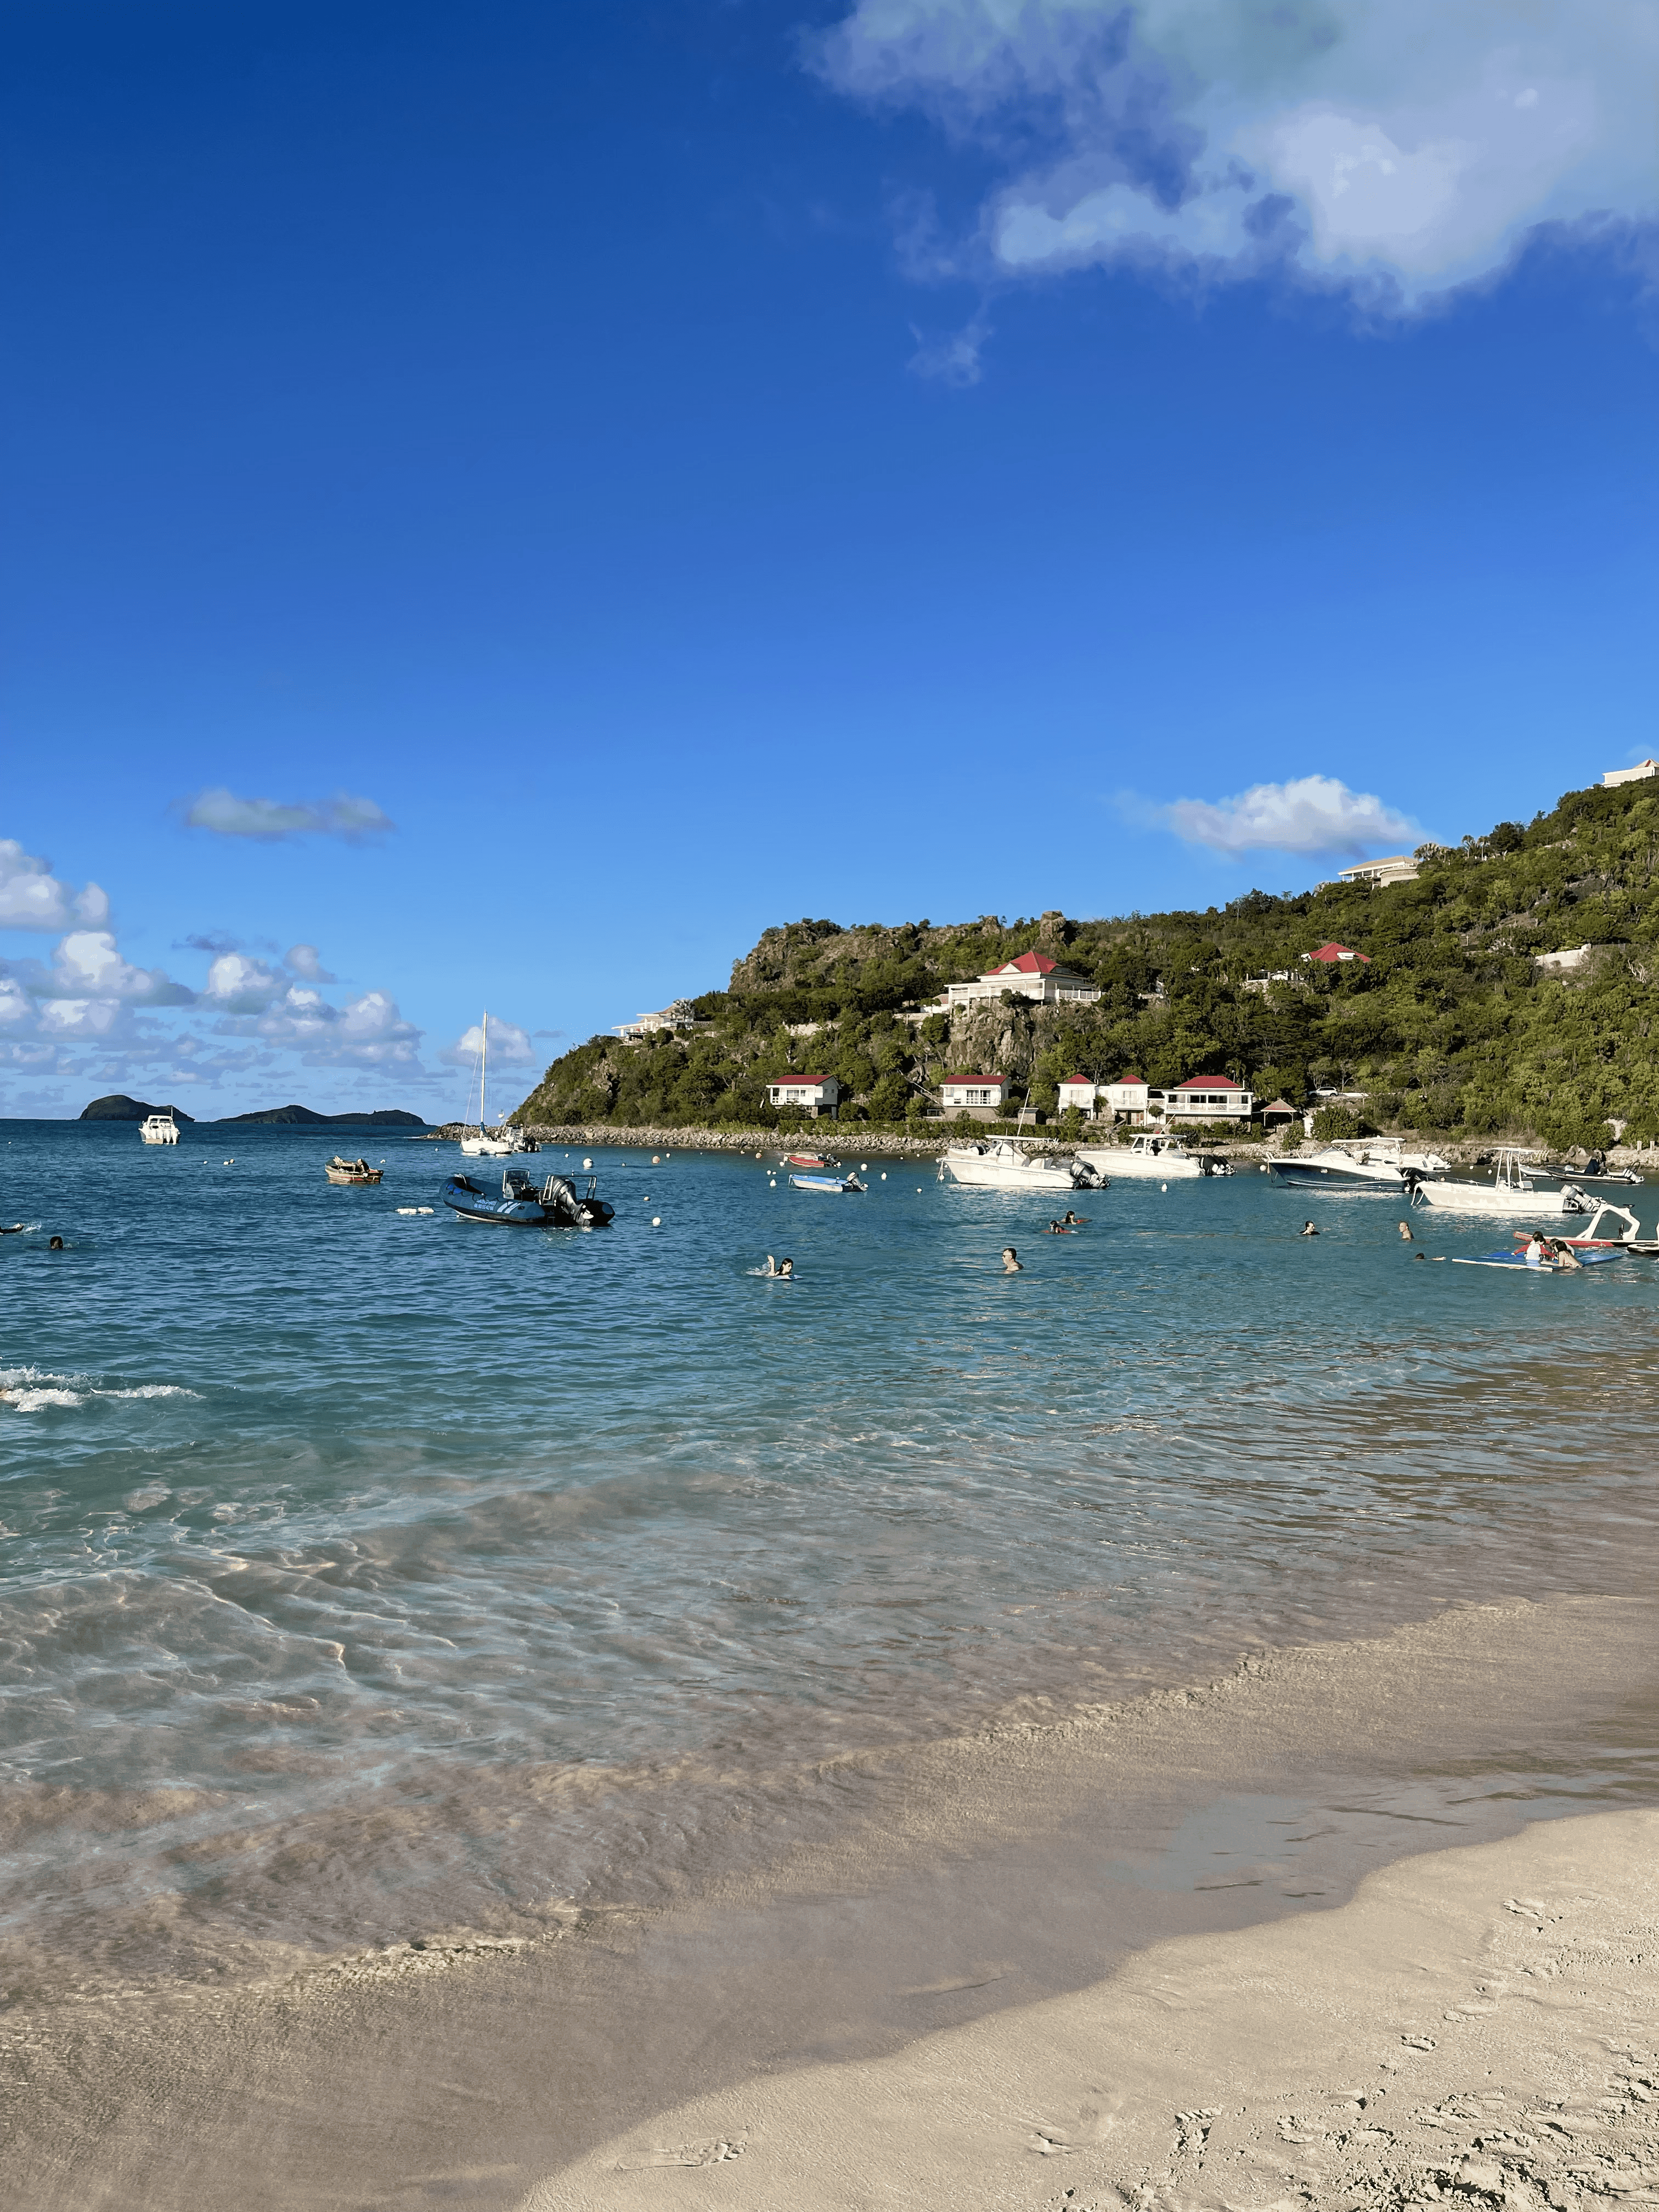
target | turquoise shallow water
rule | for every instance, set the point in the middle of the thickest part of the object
(331, 1532)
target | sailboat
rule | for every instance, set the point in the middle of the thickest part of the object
(497, 1144)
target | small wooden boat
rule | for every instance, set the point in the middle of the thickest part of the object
(340, 1170)
(522, 1204)
(826, 1182)
(809, 1160)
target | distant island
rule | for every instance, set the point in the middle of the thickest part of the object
(385, 1117)
(117, 1107)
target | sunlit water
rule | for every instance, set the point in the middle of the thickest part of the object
(322, 1520)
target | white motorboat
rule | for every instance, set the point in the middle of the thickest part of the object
(1511, 1192)
(159, 1129)
(1377, 1161)
(1000, 1163)
(500, 1143)
(1160, 1159)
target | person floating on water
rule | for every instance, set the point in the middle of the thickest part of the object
(1071, 1221)
(1011, 1262)
(1564, 1256)
(54, 1244)
(1056, 1228)
(1307, 1230)
(783, 1268)
(1405, 1233)
(1538, 1251)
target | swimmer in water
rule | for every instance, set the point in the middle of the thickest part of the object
(1056, 1229)
(787, 1270)
(55, 1244)
(1011, 1262)
(1307, 1230)
(1405, 1233)
(1071, 1221)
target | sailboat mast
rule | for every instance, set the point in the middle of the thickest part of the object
(483, 1070)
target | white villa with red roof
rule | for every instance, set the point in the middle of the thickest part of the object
(1200, 1098)
(984, 1096)
(815, 1094)
(1031, 976)
(1329, 955)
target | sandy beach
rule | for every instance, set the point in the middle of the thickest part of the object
(984, 1971)
(1479, 2026)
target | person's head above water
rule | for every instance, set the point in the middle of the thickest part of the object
(54, 1244)
(1010, 1260)
(786, 1267)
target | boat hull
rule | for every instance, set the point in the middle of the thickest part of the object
(1118, 1161)
(1499, 1199)
(557, 1206)
(1355, 1176)
(1031, 1175)
(833, 1184)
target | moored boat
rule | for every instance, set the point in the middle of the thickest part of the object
(159, 1129)
(342, 1170)
(1511, 1192)
(1376, 1162)
(524, 1204)
(827, 1182)
(1001, 1164)
(807, 1160)
(1156, 1156)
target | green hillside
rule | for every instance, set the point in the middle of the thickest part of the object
(1451, 1026)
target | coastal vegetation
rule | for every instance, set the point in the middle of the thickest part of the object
(1450, 1022)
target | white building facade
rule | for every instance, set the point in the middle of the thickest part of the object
(1031, 976)
(985, 1097)
(816, 1094)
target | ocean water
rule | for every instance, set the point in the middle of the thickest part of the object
(357, 1564)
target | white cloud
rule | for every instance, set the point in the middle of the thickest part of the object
(368, 1031)
(1312, 814)
(267, 819)
(953, 359)
(87, 962)
(1399, 142)
(30, 896)
(304, 960)
(507, 1043)
(242, 985)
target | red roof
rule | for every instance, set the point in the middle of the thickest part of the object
(975, 1079)
(776, 1079)
(1077, 1079)
(1129, 1079)
(1209, 1083)
(1333, 953)
(1029, 963)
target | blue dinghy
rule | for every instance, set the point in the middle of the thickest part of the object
(525, 1204)
(826, 1182)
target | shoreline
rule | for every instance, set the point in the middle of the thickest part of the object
(879, 1899)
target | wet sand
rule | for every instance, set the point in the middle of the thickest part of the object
(908, 1971)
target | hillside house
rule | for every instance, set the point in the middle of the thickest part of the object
(678, 1016)
(1128, 1099)
(816, 1094)
(1639, 774)
(1329, 955)
(1078, 1091)
(1030, 975)
(1397, 868)
(985, 1097)
(1208, 1098)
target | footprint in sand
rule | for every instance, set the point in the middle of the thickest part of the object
(698, 2154)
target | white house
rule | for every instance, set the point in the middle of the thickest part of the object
(1208, 1098)
(815, 1094)
(1032, 976)
(985, 1097)
(1129, 1097)
(1397, 868)
(1078, 1091)
(679, 1016)
(1639, 774)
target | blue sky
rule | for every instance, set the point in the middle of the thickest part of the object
(505, 503)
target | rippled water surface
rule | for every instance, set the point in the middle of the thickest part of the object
(313, 1509)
